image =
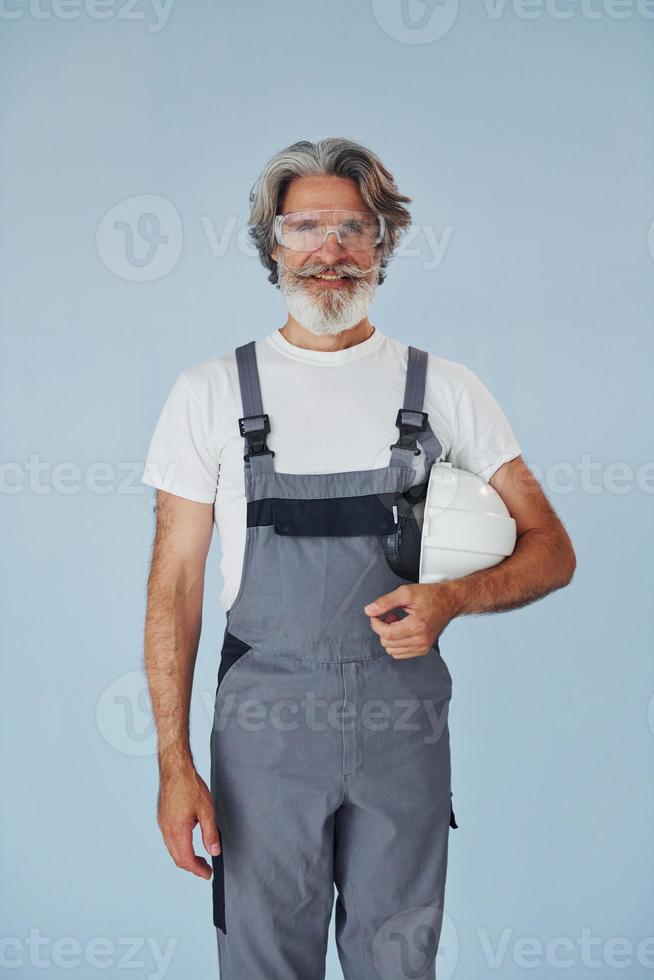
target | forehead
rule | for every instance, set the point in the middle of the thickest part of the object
(314, 193)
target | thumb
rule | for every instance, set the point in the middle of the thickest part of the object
(385, 602)
(210, 837)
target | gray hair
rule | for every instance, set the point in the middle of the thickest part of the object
(332, 156)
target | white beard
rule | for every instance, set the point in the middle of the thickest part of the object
(336, 310)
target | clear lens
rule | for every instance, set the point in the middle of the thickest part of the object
(305, 231)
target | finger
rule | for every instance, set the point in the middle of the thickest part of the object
(406, 653)
(180, 845)
(416, 645)
(399, 649)
(210, 835)
(402, 646)
(201, 868)
(398, 597)
(403, 629)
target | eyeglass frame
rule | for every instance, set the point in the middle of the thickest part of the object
(332, 228)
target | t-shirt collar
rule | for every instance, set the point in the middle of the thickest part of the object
(323, 357)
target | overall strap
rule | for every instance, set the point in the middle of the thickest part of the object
(412, 422)
(255, 424)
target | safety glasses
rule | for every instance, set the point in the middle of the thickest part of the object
(306, 231)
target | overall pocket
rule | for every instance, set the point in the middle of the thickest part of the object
(331, 562)
(335, 516)
(232, 650)
(218, 891)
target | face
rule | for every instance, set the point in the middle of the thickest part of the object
(320, 305)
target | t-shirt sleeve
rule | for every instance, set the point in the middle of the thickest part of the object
(180, 459)
(483, 438)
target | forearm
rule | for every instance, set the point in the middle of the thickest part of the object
(543, 561)
(172, 633)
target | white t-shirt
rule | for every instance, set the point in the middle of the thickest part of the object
(312, 398)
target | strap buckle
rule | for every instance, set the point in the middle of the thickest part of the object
(255, 437)
(409, 423)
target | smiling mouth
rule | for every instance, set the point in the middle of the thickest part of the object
(324, 277)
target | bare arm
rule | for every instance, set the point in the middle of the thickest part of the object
(172, 632)
(543, 560)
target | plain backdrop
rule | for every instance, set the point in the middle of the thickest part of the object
(131, 136)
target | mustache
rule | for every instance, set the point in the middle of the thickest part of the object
(344, 270)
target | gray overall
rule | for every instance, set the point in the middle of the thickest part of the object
(330, 759)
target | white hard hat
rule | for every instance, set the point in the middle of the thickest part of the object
(466, 525)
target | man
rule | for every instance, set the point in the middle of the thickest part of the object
(289, 443)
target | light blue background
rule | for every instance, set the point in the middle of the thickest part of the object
(528, 141)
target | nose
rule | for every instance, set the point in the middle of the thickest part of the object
(330, 251)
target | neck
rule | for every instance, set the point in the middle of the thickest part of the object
(298, 335)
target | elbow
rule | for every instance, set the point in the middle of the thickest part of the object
(559, 556)
(566, 565)
(571, 567)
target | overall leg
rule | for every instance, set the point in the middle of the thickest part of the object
(276, 784)
(392, 830)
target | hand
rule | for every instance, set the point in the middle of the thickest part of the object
(429, 609)
(184, 801)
